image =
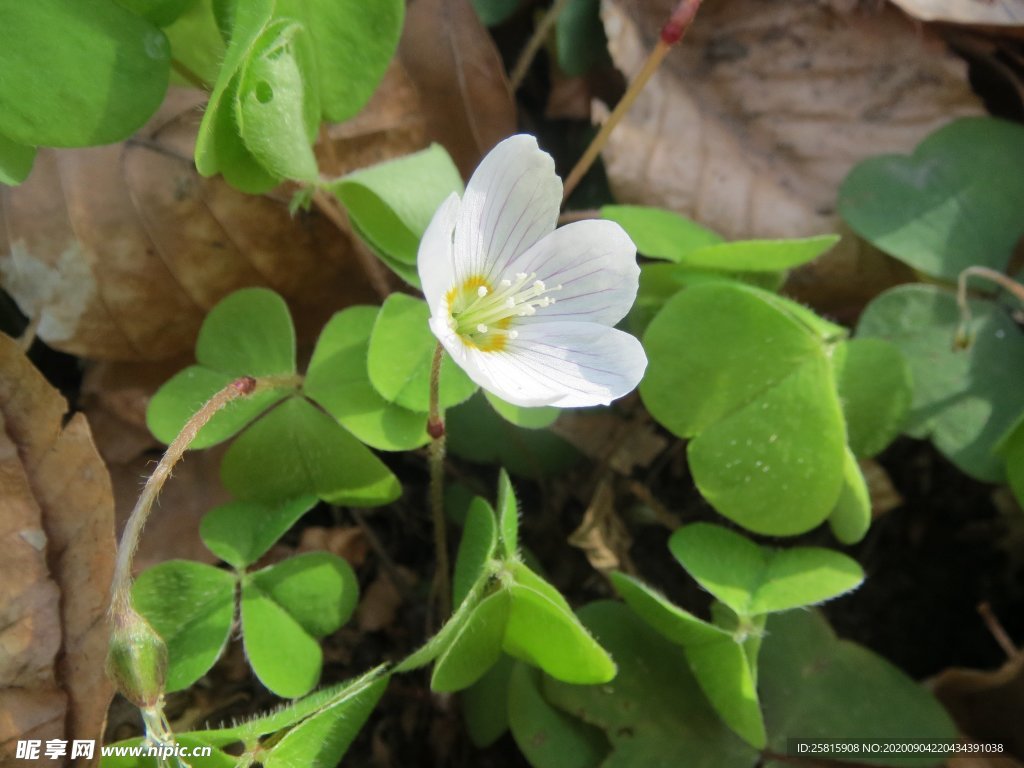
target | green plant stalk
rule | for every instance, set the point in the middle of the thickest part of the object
(963, 335)
(671, 34)
(435, 427)
(533, 45)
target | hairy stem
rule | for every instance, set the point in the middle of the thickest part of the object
(121, 587)
(671, 34)
(963, 334)
(435, 427)
(534, 43)
(187, 74)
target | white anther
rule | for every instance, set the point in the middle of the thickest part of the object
(510, 302)
(482, 328)
(505, 283)
(538, 286)
(521, 276)
(513, 334)
(481, 291)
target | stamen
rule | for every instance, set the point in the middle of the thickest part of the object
(482, 328)
(481, 291)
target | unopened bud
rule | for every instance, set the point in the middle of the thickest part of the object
(137, 659)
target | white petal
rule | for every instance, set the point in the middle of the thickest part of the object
(511, 202)
(565, 364)
(595, 263)
(435, 260)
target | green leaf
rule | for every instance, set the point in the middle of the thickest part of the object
(297, 449)
(580, 37)
(759, 255)
(276, 112)
(284, 656)
(547, 736)
(338, 380)
(752, 580)
(15, 161)
(875, 389)
(493, 12)
(324, 738)
(485, 704)
(718, 660)
(476, 647)
(660, 234)
(248, 333)
(819, 687)
(296, 712)
(158, 12)
(851, 518)
(508, 517)
(90, 59)
(750, 382)
(528, 418)
(477, 547)
(653, 711)
(318, 589)
(241, 532)
(400, 356)
(191, 606)
(949, 205)
(187, 391)
(440, 642)
(964, 399)
(392, 203)
(1012, 449)
(476, 433)
(547, 635)
(219, 148)
(196, 43)
(353, 43)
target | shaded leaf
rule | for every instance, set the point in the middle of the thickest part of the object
(241, 532)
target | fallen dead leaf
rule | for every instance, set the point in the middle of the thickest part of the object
(456, 70)
(993, 13)
(56, 563)
(380, 601)
(348, 542)
(752, 123)
(602, 535)
(607, 436)
(117, 252)
(986, 705)
(884, 496)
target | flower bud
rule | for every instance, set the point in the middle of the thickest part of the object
(137, 659)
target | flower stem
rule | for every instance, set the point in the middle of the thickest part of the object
(671, 34)
(435, 427)
(963, 334)
(120, 601)
(535, 42)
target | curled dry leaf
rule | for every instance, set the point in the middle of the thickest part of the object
(461, 81)
(990, 13)
(754, 120)
(986, 705)
(56, 563)
(602, 535)
(117, 252)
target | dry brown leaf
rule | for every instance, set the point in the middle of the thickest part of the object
(602, 535)
(117, 252)
(456, 69)
(884, 496)
(348, 542)
(381, 600)
(56, 563)
(994, 13)
(752, 123)
(986, 706)
(606, 436)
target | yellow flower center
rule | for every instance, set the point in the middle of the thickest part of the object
(483, 314)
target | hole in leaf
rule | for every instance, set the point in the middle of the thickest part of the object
(264, 93)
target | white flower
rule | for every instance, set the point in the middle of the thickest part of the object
(525, 309)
